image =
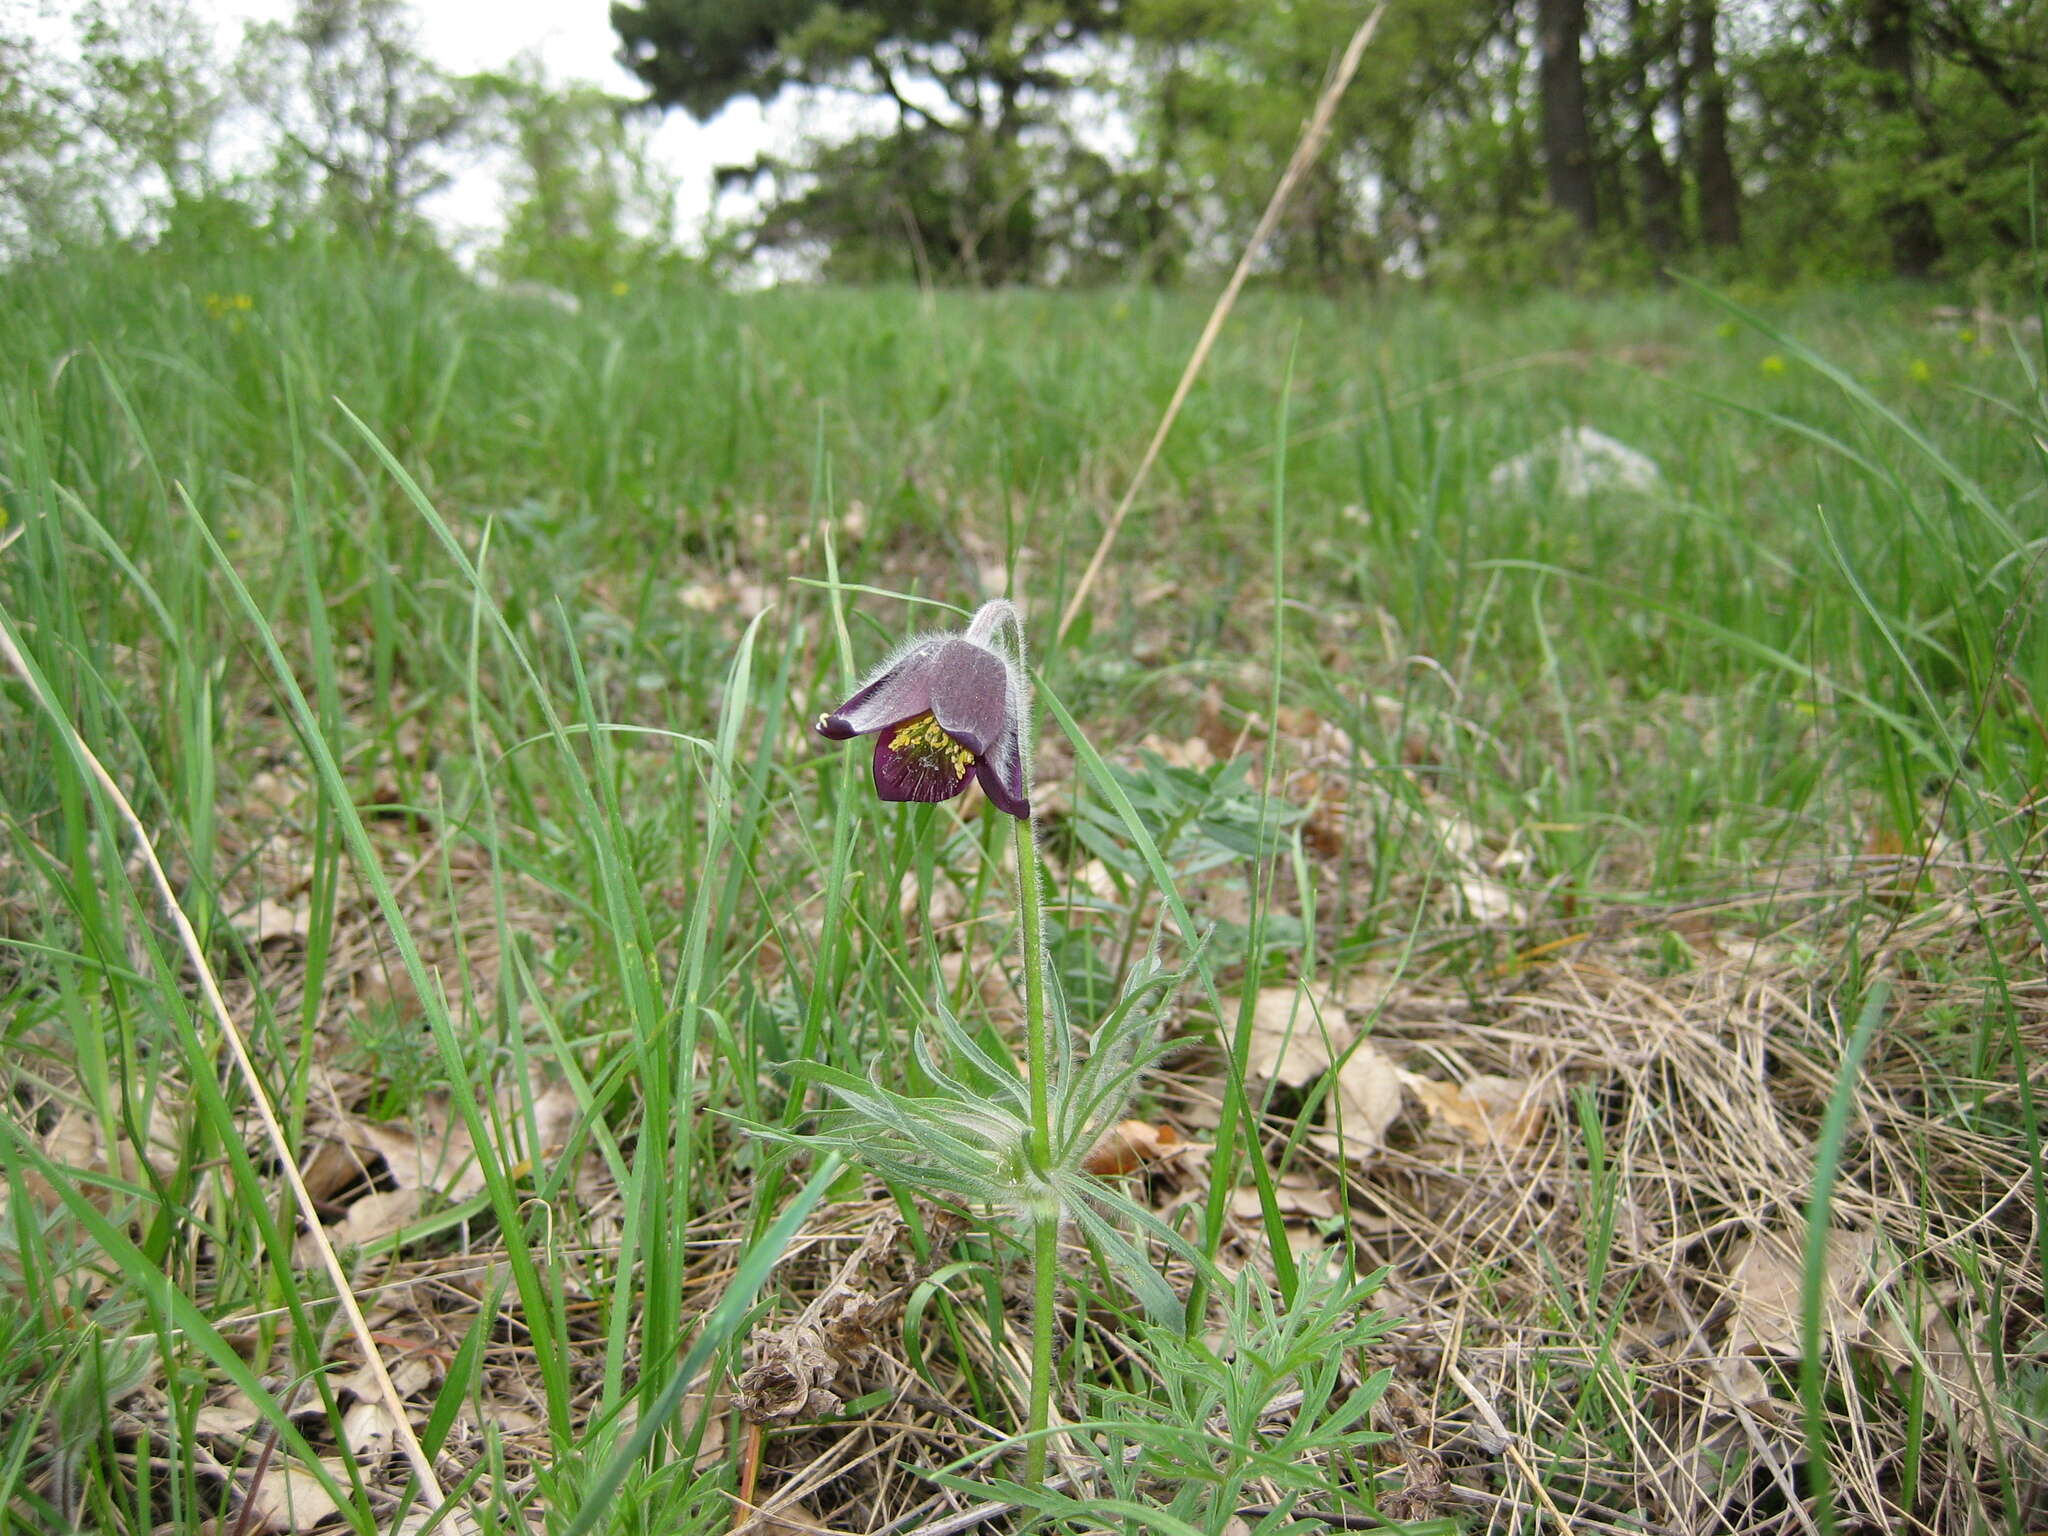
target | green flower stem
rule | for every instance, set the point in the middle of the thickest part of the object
(1037, 1041)
(1046, 1222)
(1045, 1258)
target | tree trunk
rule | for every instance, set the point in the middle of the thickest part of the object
(1916, 244)
(1567, 141)
(1657, 185)
(1720, 193)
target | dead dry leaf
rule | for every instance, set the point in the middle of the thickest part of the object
(1129, 1145)
(376, 1215)
(1500, 1114)
(78, 1141)
(1473, 872)
(274, 922)
(330, 1169)
(234, 1417)
(1766, 1280)
(1369, 988)
(1295, 1194)
(948, 901)
(1288, 1043)
(437, 1156)
(290, 1498)
(410, 1374)
(1962, 1372)
(1367, 1101)
(369, 1430)
(271, 795)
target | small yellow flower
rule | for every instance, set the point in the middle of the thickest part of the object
(1919, 372)
(621, 288)
(1772, 366)
(243, 301)
(1966, 335)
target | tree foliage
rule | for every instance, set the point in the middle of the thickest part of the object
(973, 88)
(1489, 140)
(1485, 142)
(588, 205)
(122, 123)
(365, 127)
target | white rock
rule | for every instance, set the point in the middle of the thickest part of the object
(1586, 462)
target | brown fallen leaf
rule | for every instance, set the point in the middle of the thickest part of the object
(992, 983)
(1766, 1280)
(274, 922)
(409, 1374)
(329, 1169)
(1367, 1100)
(1471, 870)
(270, 796)
(78, 1141)
(434, 1152)
(289, 1498)
(1500, 1114)
(437, 1156)
(1129, 1145)
(948, 901)
(1961, 1372)
(368, 1429)
(377, 1215)
(1369, 988)
(1288, 1043)
(236, 1417)
(1295, 1194)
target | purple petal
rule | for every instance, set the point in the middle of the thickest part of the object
(925, 777)
(970, 694)
(900, 693)
(1002, 778)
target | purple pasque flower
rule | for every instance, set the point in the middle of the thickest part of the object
(944, 709)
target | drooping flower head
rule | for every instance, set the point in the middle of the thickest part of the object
(944, 709)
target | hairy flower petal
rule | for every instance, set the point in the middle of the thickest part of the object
(1001, 773)
(903, 690)
(970, 694)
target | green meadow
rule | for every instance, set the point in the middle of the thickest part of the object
(1600, 1090)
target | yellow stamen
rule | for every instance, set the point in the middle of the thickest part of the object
(924, 738)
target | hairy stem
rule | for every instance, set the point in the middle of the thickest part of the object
(1037, 1033)
(1045, 1234)
(1045, 1255)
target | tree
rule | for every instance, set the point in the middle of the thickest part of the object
(1713, 165)
(587, 203)
(1658, 191)
(1891, 42)
(151, 89)
(41, 181)
(358, 111)
(968, 82)
(1219, 94)
(1567, 142)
